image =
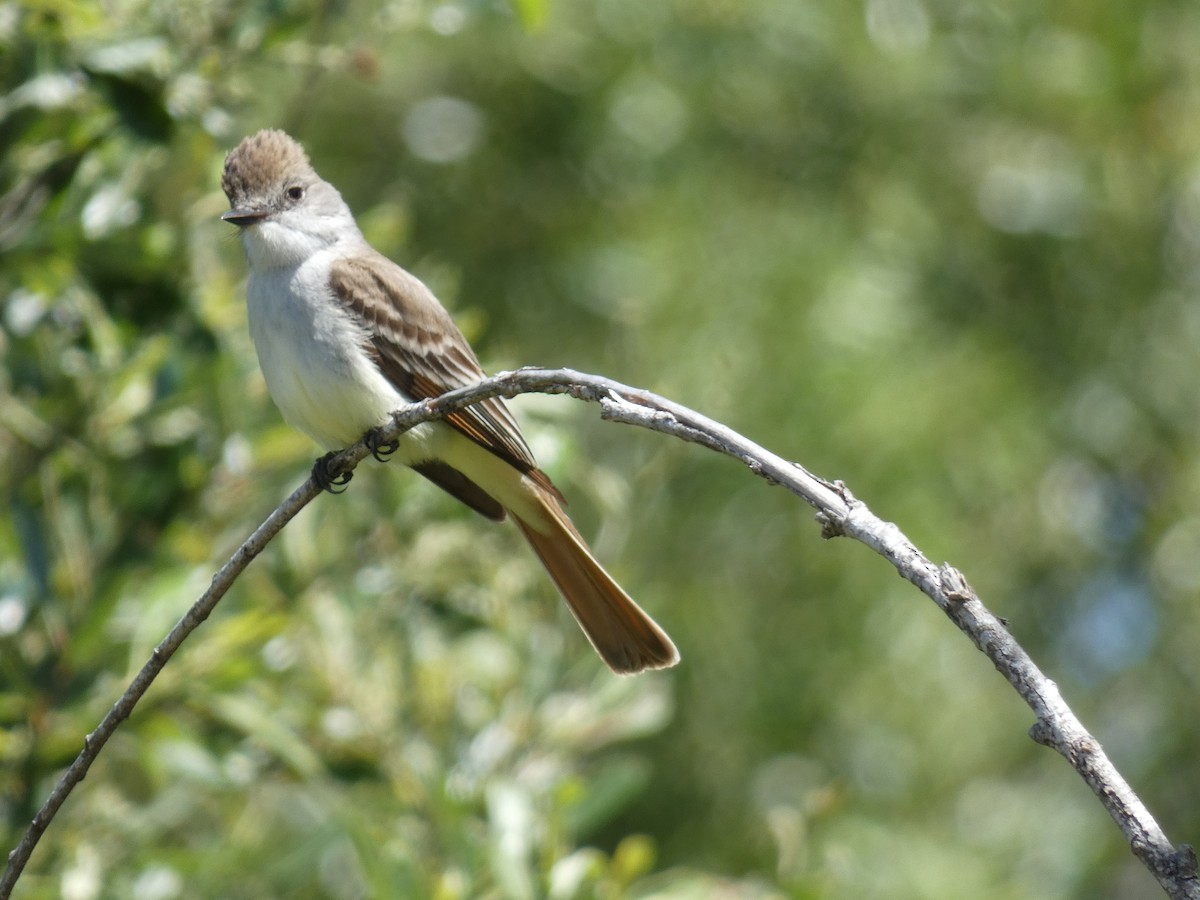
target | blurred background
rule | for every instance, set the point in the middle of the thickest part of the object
(948, 253)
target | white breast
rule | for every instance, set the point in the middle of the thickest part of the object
(312, 355)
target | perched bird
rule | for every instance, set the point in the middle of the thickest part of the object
(345, 337)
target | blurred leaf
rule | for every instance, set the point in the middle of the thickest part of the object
(533, 13)
(947, 255)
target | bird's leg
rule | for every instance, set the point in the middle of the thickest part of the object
(328, 477)
(380, 449)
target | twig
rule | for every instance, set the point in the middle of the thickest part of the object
(200, 610)
(838, 512)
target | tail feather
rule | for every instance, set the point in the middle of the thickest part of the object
(626, 638)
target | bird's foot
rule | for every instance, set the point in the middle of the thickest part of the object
(380, 449)
(328, 476)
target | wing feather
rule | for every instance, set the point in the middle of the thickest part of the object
(421, 351)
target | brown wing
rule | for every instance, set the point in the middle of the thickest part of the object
(419, 348)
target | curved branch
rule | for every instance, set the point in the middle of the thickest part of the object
(200, 610)
(839, 513)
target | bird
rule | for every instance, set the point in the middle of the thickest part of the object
(345, 336)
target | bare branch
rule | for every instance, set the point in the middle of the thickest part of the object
(838, 512)
(200, 610)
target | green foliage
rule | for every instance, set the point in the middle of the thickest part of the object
(946, 253)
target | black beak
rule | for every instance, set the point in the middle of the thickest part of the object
(243, 217)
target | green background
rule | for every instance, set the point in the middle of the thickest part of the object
(948, 253)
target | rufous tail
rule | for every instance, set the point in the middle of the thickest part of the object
(626, 638)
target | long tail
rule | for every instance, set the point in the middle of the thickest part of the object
(626, 638)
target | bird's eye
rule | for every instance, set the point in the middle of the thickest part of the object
(295, 192)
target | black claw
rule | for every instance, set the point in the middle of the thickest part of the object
(327, 477)
(380, 449)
